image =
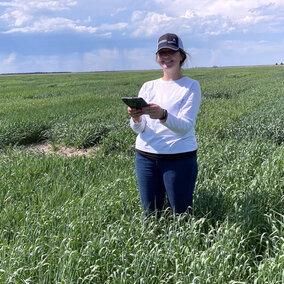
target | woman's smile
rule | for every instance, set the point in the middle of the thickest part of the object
(167, 61)
(168, 58)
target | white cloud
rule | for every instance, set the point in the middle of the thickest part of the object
(40, 16)
(264, 19)
(195, 17)
(137, 16)
(55, 24)
(40, 4)
(10, 59)
(51, 25)
(151, 23)
(235, 14)
(8, 64)
(225, 8)
(118, 11)
(113, 27)
(23, 11)
(189, 14)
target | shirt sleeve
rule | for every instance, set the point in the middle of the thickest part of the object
(138, 127)
(186, 117)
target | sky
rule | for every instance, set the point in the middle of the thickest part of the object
(111, 35)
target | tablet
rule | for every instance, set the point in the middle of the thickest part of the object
(135, 102)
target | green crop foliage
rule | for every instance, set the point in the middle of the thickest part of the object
(78, 219)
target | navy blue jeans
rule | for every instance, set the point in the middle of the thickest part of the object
(158, 178)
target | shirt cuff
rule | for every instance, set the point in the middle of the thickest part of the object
(138, 127)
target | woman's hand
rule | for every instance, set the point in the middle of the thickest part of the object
(135, 114)
(154, 111)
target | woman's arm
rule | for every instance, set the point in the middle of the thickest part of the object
(186, 117)
(139, 125)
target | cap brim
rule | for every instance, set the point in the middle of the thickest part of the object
(168, 47)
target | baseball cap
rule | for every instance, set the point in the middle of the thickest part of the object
(170, 41)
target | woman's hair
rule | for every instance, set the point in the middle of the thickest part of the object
(184, 55)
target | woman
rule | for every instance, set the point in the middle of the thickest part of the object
(166, 146)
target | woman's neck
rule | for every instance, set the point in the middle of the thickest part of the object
(172, 76)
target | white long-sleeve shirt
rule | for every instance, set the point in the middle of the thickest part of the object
(181, 98)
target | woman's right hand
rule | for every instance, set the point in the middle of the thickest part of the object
(135, 114)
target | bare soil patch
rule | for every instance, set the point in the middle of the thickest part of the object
(61, 151)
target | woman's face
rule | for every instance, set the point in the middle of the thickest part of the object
(168, 58)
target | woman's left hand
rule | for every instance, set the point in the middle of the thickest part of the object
(154, 111)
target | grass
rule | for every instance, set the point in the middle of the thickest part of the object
(78, 219)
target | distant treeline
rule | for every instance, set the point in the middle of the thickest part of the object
(34, 73)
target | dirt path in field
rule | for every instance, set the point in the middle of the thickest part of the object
(60, 151)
